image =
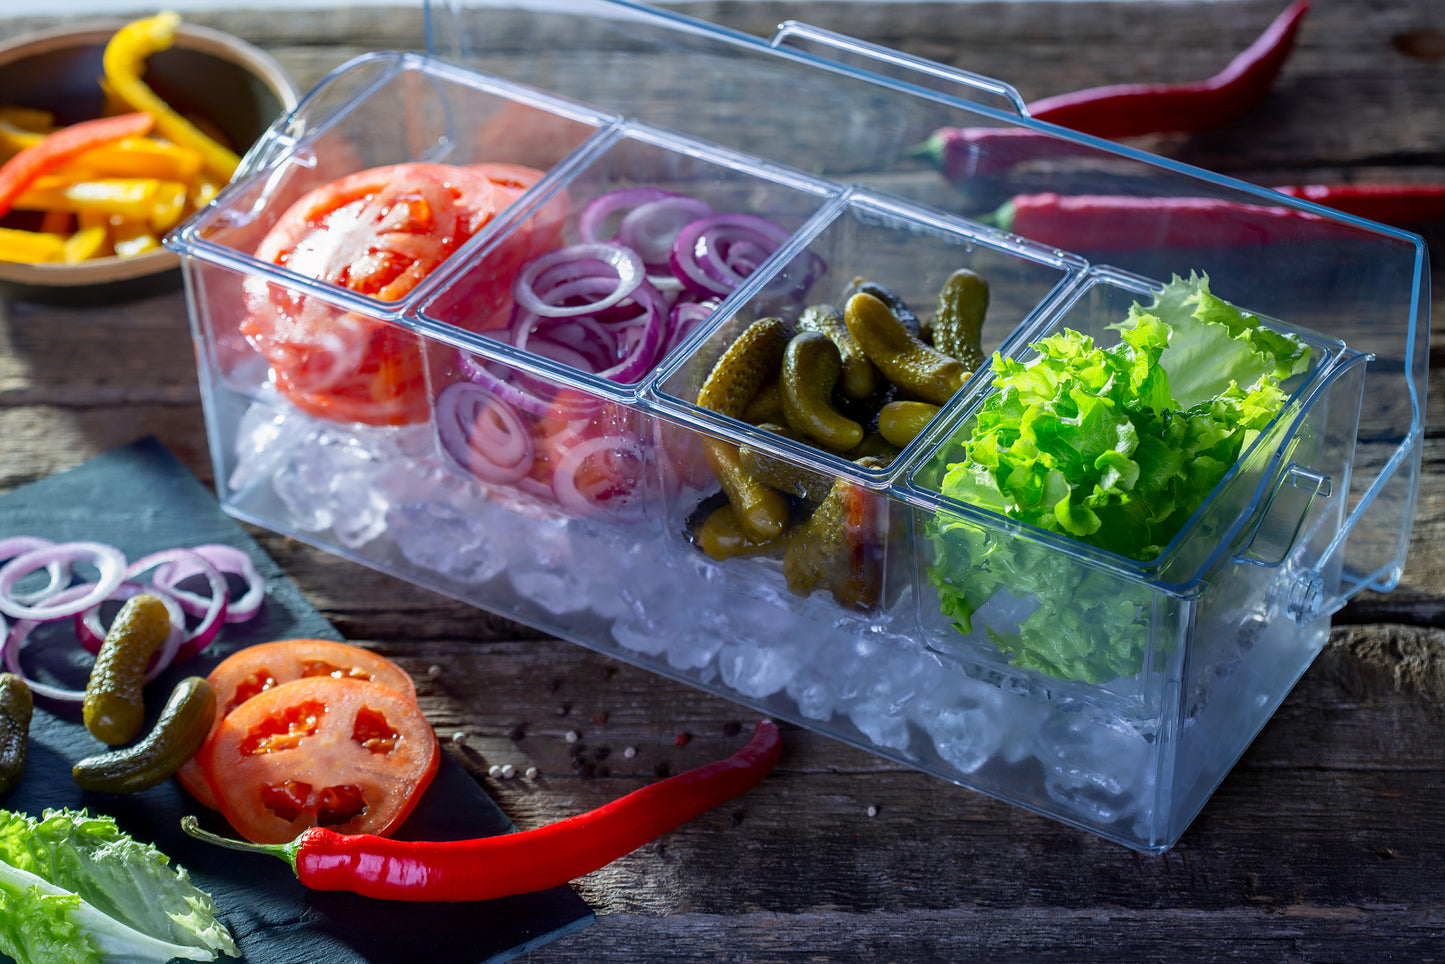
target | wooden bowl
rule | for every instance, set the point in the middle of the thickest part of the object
(206, 73)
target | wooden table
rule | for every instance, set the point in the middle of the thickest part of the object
(1325, 843)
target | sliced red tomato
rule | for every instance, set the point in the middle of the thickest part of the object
(256, 669)
(346, 754)
(377, 232)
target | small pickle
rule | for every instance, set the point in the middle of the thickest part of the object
(16, 708)
(895, 302)
(916, 368)
(957, 323)
(184, 724)
(766, 406)
(113, 708)
(722, 537)
(782, 474)
(761, 510)
(900, 422)
(812, 365)
(840, 548)
(859, 379)
(749, 363)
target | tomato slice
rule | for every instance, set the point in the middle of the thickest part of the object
(377, 232)
(345, 754)
(256, 669)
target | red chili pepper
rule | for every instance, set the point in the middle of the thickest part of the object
(522, 862)
(1397, 204)
(1130, 110)
(1124, 223)
(55, 149)
(1123, 110)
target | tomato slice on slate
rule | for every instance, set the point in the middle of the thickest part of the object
(376, 232)
(345, 754)
(256, 669)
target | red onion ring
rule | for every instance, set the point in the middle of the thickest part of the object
(544, 283)
(201, 636)
(483, 434)
(91, 633)
(651, 227)
(229, 561)
(109, 560)
(59, 570)
(590, 223)
(21, 631)
(571, 496)
(713, 255)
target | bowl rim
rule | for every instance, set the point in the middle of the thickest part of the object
(194, 37)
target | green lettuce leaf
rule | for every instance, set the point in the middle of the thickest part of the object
(1117, 447)
(76, 881)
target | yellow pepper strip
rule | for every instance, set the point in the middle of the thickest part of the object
(137, 157)
(133, 199)
(85, 245)
(132, 237)
(14, 138)
(124, 63)
(30, 118)
(168, 206)
(30, 247)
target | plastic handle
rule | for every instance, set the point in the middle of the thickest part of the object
(895, 65)
(1284, 514)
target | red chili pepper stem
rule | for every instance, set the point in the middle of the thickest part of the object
(521, 862)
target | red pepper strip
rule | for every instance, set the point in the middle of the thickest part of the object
(522, 862)
(1091, 222)
(20, 171)
(1387, 203)
(1131, 110)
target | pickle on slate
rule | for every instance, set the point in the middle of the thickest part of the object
(182, 728)
(957, 322)
(840, 547)
(114, 708)
(900, 422)
(916, 368)
(16, 708)
(812, 365)
(858, 379)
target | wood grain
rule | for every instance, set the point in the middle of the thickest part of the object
(1323, 844)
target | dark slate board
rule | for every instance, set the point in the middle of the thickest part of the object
(141, 499)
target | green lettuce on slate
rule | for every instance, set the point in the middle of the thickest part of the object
(75, 889)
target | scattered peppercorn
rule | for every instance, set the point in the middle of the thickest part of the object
(682, 739)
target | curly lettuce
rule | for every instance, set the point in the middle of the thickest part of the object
(1115, 447)
(75, 889)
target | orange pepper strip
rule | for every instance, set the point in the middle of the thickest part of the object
(57, 148)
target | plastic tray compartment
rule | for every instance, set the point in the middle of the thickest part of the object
(516, 473)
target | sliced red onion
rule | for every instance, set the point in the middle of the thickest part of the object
(545, 284)
(109, 560)
(684, 319)
(591, 223)
(229, 561)
(91, 633)
(481, 373)
(21, 631)
(713, 255)
(650, 228)
(483, 434)
(59, 570)
(571, 495)
(201, 636)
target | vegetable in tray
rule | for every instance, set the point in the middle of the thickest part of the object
(1115, 447)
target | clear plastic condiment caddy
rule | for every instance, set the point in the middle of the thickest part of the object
(595, 538)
